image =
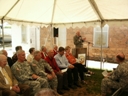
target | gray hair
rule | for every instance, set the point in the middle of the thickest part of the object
(19, 52)
(42, 48)
(1, 51)
(49, 49)
(46, 92)
(36, 52)
(54, 45)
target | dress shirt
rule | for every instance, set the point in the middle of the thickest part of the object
(7, 82)
(61, 61)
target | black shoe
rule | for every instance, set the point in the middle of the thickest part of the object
(60, 92)
(78, 85)
(72, 87)
(66, 88)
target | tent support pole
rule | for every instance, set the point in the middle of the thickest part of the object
(52, 20)
(101, 59)
(10, 9)
(95, 8)
(2, 27)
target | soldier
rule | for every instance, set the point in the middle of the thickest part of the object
(118, 78)
(22, 71)
(44, 70)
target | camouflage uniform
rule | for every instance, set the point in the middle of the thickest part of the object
(23, 73)
(117, 79)
(40, 69)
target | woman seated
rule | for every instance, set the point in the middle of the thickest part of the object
(79, 66)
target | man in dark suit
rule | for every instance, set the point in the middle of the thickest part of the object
(8, 83)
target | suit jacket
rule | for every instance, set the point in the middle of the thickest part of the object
(3, 84)
(10, 63)
(55, 52)
(43, 55)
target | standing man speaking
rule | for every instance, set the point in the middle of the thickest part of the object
(78, 40)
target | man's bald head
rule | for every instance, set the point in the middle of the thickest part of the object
(120, 57)
(3, 60)
(78, 33)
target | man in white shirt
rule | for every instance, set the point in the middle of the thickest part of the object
(72, 71)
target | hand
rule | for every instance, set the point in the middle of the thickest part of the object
(71, 66)
(34, 76)
(49, 76)
(84, 39)
(60, 73)
(16, 88)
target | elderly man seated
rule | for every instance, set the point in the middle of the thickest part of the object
(8, 84)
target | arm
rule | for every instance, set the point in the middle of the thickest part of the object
(3, 84)
(59, 63)
(77, 40)
(116, 74)
(22, 73)
(37, 70)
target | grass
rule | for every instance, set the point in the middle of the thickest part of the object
(92, 88)
(94, 82)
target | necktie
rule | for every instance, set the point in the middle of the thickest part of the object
(7, 77)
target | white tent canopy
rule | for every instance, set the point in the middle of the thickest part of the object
(62, 12)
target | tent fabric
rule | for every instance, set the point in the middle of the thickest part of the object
(62, 12)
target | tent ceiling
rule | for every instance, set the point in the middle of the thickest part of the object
(63, 11)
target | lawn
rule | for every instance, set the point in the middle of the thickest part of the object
(92, 88)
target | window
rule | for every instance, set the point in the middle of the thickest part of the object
(100, 37)
(24, 34)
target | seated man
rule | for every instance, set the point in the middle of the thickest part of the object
(24, 74)
(118, 78)
(44, 70)
(72, 71)
(55, 49)
(9, 60)
(8, 84)
(61, 76)
(43, 52)
(14, 57)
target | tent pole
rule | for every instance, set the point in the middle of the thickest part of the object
(10, 9)
(52, 20)
(101, 59)
(95, 8)
(2, 27)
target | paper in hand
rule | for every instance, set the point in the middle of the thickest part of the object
(105, 73)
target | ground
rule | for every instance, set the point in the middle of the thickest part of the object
(92, 88)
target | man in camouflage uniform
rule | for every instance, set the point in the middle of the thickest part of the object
(44, 70)
(24, 74)
(118, 78)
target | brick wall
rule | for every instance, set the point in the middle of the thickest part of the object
(118, 41)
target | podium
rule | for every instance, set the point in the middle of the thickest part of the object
(81, 54)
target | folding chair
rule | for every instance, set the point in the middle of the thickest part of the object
(120, 90)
